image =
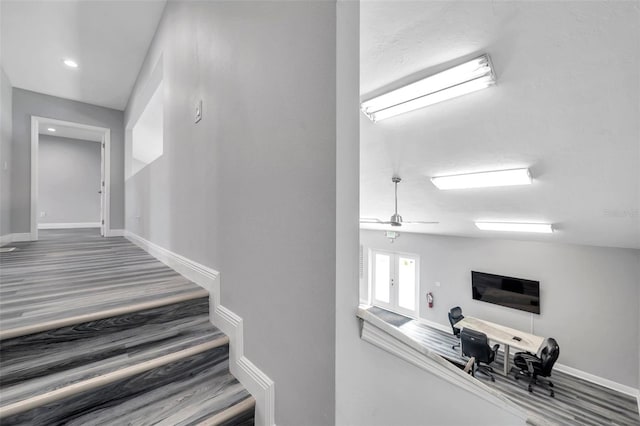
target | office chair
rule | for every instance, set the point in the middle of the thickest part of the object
(455, 315)
(540, 365)
(476, 345)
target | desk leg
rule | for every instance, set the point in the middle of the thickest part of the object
(506, 360)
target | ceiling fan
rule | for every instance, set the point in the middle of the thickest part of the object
(396, 219)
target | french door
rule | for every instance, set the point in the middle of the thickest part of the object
(395, 281)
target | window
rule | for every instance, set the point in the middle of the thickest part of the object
(395, 281)
(148, 134)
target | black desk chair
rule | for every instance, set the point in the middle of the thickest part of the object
(540, 365)
(476, 345)
(455, 315)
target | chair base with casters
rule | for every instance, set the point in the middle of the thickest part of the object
(536, 381)
(457, 345)
(525, 362)
(487, 370)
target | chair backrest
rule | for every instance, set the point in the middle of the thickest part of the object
(455, 315)
(475, 344)
(548, 355)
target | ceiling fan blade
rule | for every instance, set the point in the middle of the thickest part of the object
(373, 220)
(369, 220)
(423, 222)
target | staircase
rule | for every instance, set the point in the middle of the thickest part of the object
(164, 365)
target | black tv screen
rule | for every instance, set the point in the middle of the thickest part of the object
(511, 292)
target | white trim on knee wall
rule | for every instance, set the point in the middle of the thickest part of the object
(252, 378)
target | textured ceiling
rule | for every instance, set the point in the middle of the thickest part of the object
(108, 39)
(566, 105)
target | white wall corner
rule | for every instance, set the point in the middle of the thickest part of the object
(252, 378)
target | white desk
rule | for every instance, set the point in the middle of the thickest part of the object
(503, 335)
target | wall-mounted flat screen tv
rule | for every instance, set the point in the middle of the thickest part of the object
(515, 293)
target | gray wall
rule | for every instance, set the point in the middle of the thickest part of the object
(26, 104)
(250, 190)
(5, 154)
(69, 180)
(589, 295)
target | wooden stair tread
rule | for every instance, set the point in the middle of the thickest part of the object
(25, 373)
(177, 391)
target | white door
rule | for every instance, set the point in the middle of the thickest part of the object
(395, 281)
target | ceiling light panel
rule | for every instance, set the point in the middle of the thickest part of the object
(543, 228)
(51, 129)
(484, 179)
(469, 77)
(70, 63)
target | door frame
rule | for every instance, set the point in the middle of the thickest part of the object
(105, 166)
(393, 304)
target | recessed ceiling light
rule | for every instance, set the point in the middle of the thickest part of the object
(70, 63)
(51, 129)
(544, 228)
(469, 77)
(484, 179)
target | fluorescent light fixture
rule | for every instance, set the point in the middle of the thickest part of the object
(70, 63)
(544, 228)
(484, 179)
(469, 77)
(51, 129)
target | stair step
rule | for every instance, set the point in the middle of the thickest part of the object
(50, 321)
(180, 388)
(89, 350)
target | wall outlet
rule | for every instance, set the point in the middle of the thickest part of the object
(437, 283)
(43, 214)
(199, 110)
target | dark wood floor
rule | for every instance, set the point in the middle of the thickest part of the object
(75, 272)
(576, 401)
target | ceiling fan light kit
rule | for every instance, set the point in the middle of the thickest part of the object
(483, 179)
(468, 77)
(544, 228)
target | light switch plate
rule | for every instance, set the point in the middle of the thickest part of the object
(199, 111)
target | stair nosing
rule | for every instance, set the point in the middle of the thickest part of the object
(105, 379)
(230, 412)
(79, 319)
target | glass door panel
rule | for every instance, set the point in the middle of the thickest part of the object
(407, 283)
(382, 278)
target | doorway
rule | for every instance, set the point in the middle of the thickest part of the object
(395, 281)
(101, 135)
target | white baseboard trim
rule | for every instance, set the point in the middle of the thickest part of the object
(252, 378)
(69, 225)
(628, 390)
(204, 276)
(115, 233)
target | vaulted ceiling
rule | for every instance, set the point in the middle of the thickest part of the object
(566, 105)
(108, 40)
